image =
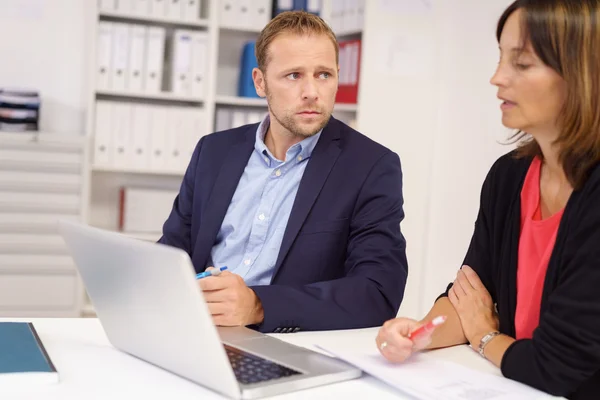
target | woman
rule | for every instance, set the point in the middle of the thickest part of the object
(528, 296)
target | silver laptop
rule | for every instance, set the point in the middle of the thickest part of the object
(149, 303)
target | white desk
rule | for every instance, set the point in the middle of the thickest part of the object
(90, 368)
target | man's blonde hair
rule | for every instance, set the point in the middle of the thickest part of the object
(295, 22)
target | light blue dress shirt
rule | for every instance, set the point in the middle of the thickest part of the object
(250, 237)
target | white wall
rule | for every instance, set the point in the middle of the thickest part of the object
(43, 47)
(426, 94)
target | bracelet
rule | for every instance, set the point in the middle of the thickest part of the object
(485, 340)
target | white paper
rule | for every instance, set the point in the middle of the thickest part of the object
(407, 7)
(425, 377)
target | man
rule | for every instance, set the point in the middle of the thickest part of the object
(304, 211)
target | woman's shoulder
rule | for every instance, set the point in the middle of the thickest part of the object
(507, 173)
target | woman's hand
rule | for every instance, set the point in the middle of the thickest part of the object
(474, 305)
(393, 342)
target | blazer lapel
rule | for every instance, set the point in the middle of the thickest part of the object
(319, 166)
(222, 192)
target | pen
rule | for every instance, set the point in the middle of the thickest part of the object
(212, 272)
(427, 328)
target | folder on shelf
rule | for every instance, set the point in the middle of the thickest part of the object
(104, 55)
(23, 357)
(121, 134)
(337, 16)
(199, 63)
(120, 56)
(350, 54)
(102, 134)
(181, 62)
(280, 6)
(260, 13)
(350, 15)
(107, 5)
(227, 12)
(253, 117)
(223, 119)
(191, 10)
(140, 7)
(195, 128)
(158, 8)
(158, 132)
(140, 143)
(174, 9)
(241, 14)
(175, 137)
(247, 63)
(314, 6)
(155, 51)
(135, 72)
(124, 6)
(238, 118)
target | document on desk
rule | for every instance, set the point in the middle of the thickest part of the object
(424, 377)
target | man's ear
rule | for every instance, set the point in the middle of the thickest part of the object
(259, 82)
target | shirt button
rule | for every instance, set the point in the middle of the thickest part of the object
(278, 172)
(267, 160)
(247, 262)
(299, 158)
(261, 217)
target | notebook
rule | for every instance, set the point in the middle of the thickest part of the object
(23, 357)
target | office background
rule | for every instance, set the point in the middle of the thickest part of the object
(423, 91)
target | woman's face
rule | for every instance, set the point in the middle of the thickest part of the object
(532, 93)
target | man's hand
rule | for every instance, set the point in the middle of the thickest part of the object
(230, 301)
(474, 305)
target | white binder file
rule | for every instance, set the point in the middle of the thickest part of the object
(107, 5)
(175, 137)
(191, 10)
(120, 125)
(158, 8)
(223, 119)
(102, 134)
(238, 119)
(154, 59)
(135, 72)
(124, 6)
(260, 13)
(199, 63)
(140, 128)
(120, 56)
(175, 9)
(227, 12)
(181, 62)
(140, 7)
(253, 117)
(196, 128)
(242, 16)
(350, 15)
(103, 55)
(314, 6)
(158, 131)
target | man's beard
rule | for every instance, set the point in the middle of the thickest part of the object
(287, 120)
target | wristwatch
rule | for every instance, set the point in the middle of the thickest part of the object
(485, 340)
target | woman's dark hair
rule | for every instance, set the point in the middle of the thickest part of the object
(565, 35)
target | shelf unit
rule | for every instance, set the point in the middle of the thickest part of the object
(225, 44)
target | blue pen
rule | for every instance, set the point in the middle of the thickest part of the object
(212, 272)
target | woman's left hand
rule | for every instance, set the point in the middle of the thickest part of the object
(474, 305)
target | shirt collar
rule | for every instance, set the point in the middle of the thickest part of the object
(301, 151)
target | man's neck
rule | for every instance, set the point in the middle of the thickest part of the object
(278, 140)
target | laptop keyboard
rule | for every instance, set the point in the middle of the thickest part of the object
(249, 368)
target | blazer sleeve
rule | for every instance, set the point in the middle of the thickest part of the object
(375, 267)
(564, 351)
(177, 227)
(478, 254)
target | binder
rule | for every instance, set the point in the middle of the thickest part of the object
(350, 55)
(158, 131)
(247, 63)
(238, 118)
(228, 12)
(107, 5)
(181, 62)
(260, 13)
(253, 117)
(360, 14)
(124, 6)
(158, 8)
(337, 16)
(191, 10)
(102, 134)
(24, 359)
(350, 15)
(195, 129)
(223, 121)
(282, 5)
(120, 56)
(174, 9)
(121, 134)
(135, 72)
(140, 143)
(154, 59)
(140, 7)
(104, 55)
(242, 15)
(199, 63)
(314, 6)
(175, 137)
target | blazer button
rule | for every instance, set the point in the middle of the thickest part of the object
(277, 330)
(296, 329)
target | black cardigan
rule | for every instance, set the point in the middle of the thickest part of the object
(563, 357)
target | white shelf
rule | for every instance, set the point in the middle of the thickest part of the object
(232, 28)
(241, 101)
(345, 107)
(201, 23)
(151, 96)
(98, 168)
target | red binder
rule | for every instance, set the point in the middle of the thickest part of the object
(350, 53)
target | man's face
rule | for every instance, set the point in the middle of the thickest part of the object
(300, 82)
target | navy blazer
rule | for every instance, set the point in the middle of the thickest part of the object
(342, 262)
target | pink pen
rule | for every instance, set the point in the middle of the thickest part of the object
(427, 328)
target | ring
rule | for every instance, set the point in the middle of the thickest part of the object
(383, 345)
